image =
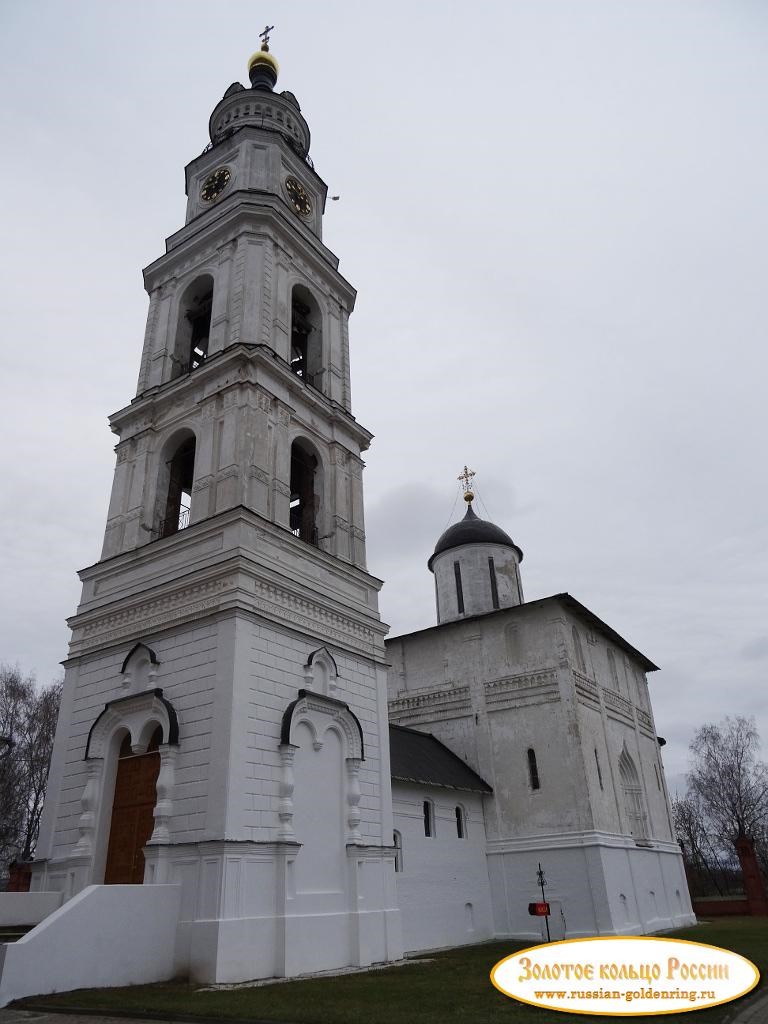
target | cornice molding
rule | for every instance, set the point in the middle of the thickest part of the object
(238, 584)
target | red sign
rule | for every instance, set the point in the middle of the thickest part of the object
(538, 909)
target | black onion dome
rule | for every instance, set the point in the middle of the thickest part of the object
(472, 530)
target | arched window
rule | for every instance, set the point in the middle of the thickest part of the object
(634, 804)
(194, 326)
(180, 470)
(459, 588)
(578, 650)
(533, 770)
(429, 818)
(397, 842)
(494, 583)
(304, 497)
(306, 337)
(461, 822)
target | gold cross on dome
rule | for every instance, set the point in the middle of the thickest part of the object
(264, 36)
(466, 479)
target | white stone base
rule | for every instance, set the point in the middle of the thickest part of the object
(597, 884)
(107, 935)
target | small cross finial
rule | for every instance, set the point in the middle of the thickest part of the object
(264, 36)
(465, 479)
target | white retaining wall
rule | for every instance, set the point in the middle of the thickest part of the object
(25, 908)
(107, 935)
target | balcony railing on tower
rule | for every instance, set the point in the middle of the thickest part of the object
(170, 526)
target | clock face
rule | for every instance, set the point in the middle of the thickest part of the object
(299, 197)
(215, 184)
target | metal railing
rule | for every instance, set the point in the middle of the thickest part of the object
(309, 535)
(170, 526)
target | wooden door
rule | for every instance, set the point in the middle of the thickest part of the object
(132, 817)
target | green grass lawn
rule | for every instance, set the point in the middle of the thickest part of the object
(451, 986)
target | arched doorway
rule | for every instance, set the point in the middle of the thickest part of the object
(132, 811)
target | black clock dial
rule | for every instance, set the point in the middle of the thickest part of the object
(299, 197)
(215, 184)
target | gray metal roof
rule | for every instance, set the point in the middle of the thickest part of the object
(472, 530)
(419, 757)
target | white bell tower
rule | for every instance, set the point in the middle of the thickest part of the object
(224, 720)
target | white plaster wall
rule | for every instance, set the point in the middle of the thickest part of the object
(25, 908)
(271, 671)
(189, 666)
(107, 935)
(441, 874)
(600, 884)
(476, 587)
(524, 639)
(646, 888)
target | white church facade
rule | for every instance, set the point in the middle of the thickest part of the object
(248, 780)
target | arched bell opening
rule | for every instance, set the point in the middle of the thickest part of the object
(193, 326)
(306, 337)
(177, 474)
(306, 490)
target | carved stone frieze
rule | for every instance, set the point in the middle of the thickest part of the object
(259, 474)
(305, 612)
(616, 701)
(262, 400)
(203, 483)
(431, 706)
(644, 719)
(587, 692)
(523, 688)
(150, 615)
(124, 450)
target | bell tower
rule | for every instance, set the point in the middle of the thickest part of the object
(230, 634)
(246, 348)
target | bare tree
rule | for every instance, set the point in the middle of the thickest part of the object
(28, 721)
(729, 780)
(710, 867)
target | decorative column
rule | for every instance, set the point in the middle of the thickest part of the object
(164, 788)
(89, 801)
(285, 791)
(353, 800)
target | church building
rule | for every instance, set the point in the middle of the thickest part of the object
(248, 780)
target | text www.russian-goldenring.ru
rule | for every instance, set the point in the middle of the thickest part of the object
(684, 995)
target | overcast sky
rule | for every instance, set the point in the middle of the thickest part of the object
(555, 215)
